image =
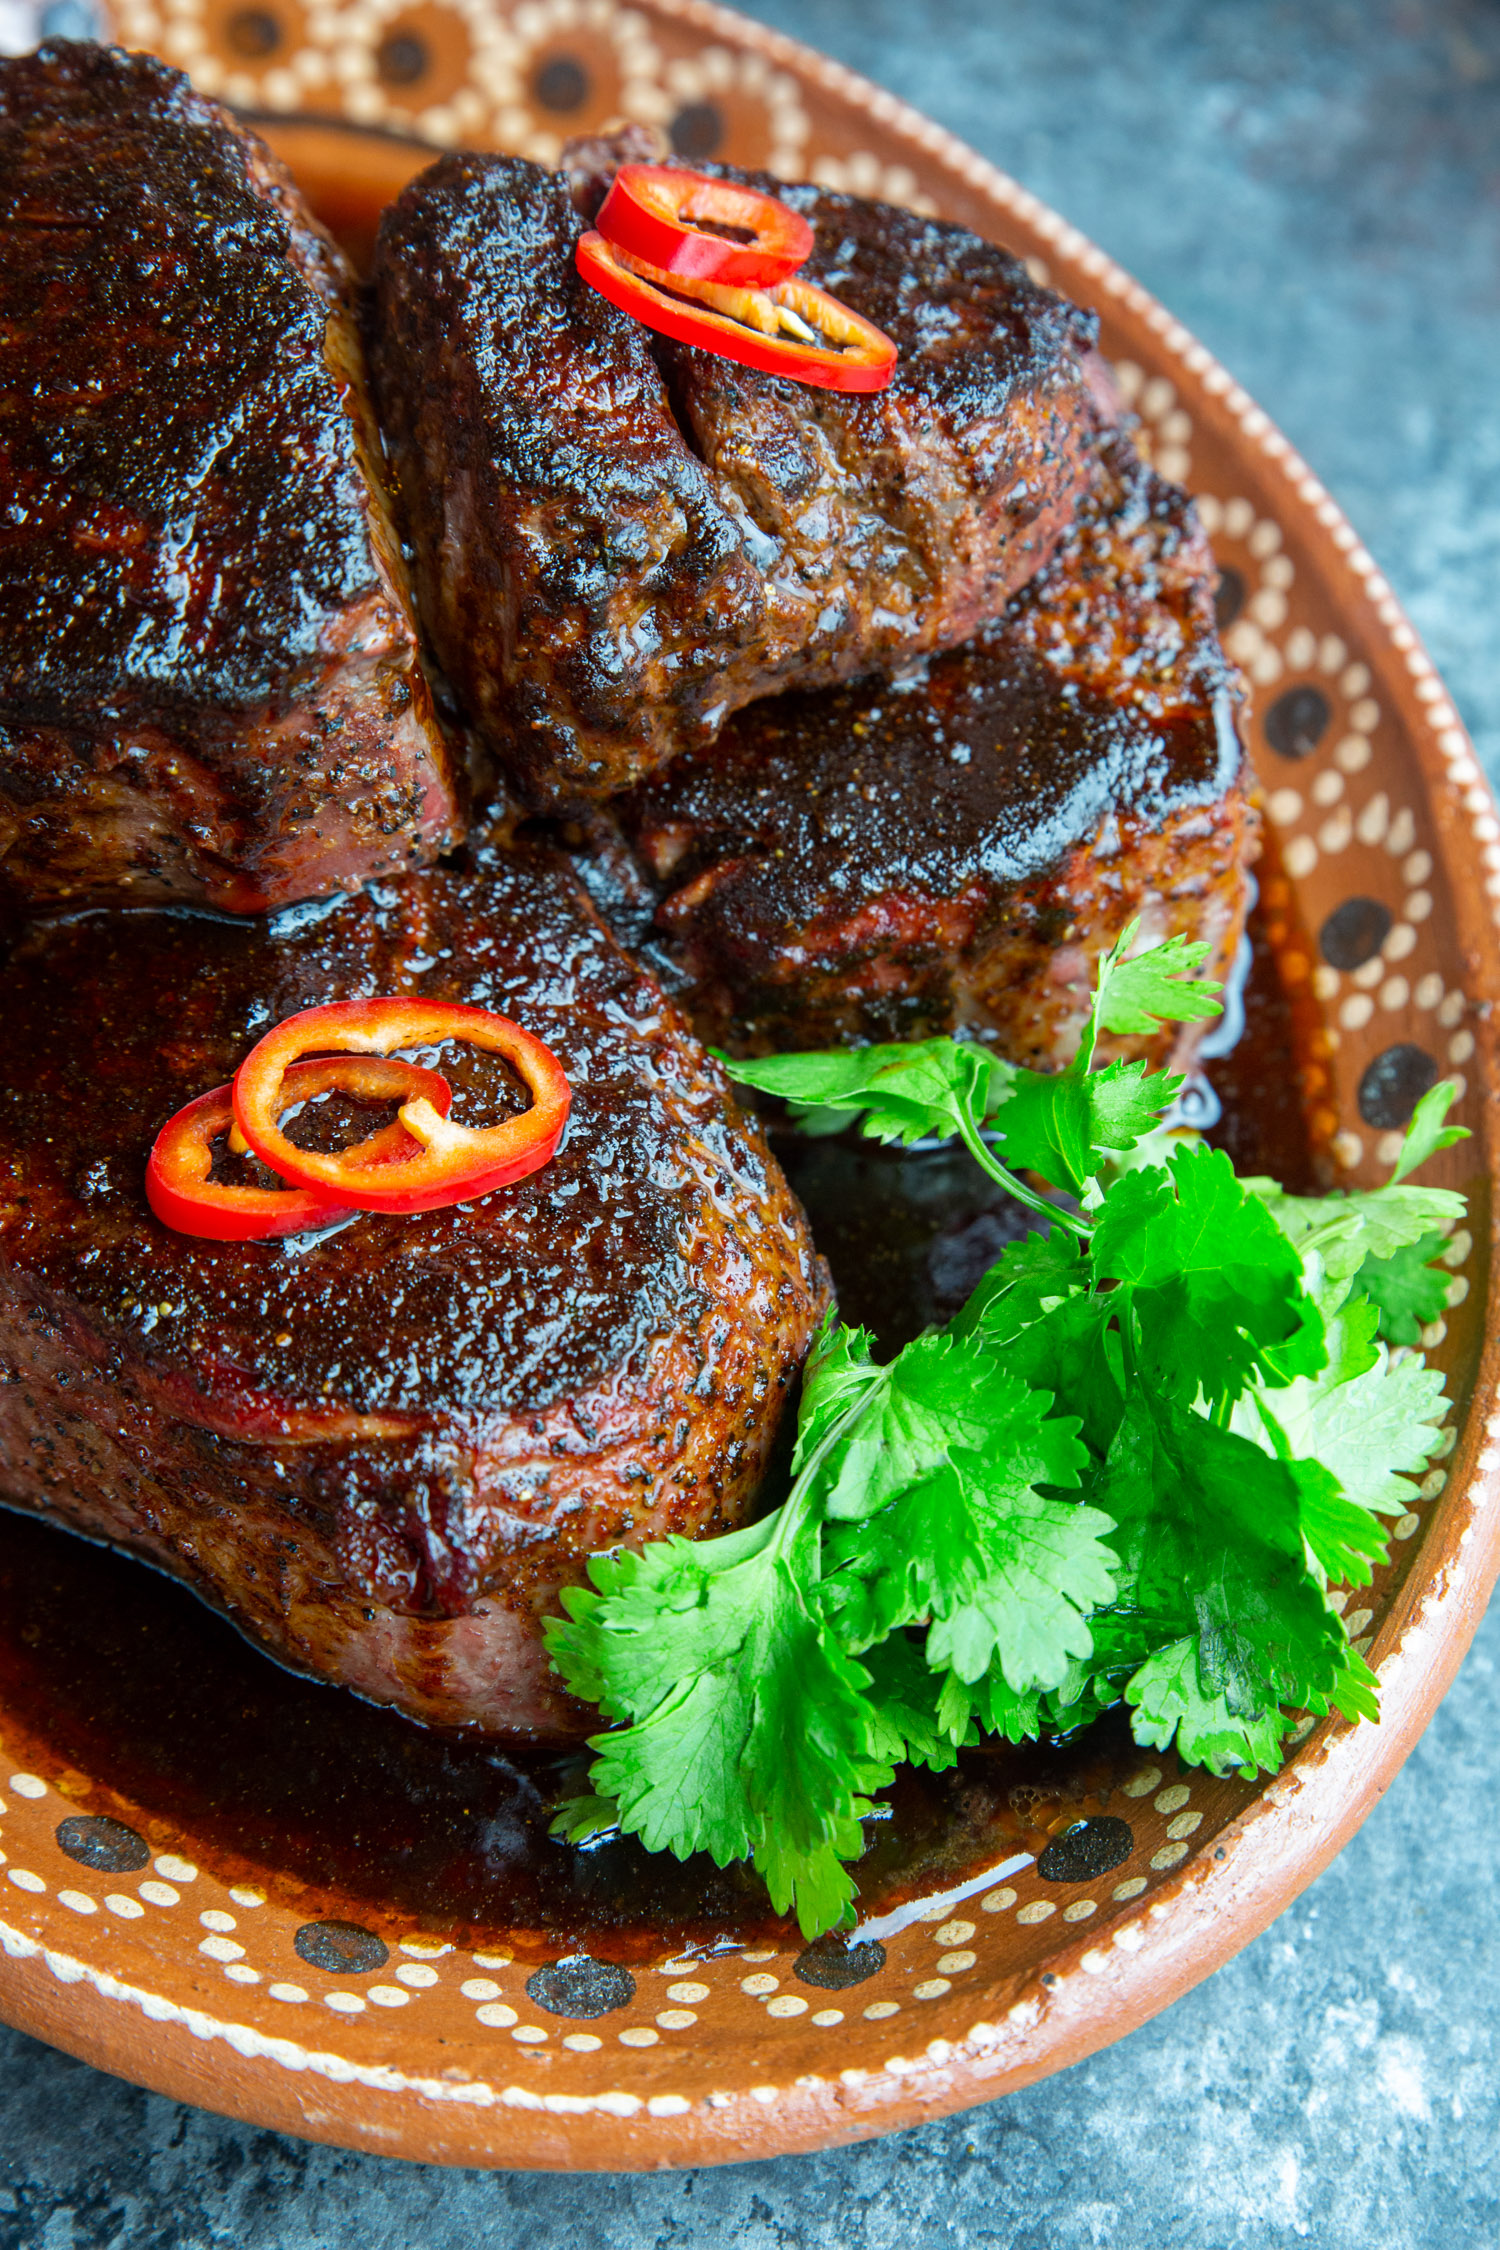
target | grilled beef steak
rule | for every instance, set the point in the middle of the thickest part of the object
(880, 862)
(383, 1450)
(209, 687)
(619, 541)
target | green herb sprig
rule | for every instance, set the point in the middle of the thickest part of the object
(1129, 1470)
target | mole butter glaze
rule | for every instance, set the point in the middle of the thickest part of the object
(382, 1450)
(209, 686)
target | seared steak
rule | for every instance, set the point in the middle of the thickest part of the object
(383, 1450)
(209, 687)
(620, 541)
(881, 862)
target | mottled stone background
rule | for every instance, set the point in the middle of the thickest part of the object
(1314, 187)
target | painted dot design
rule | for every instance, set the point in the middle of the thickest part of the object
(1355, 932)
(1297, 722)
(96, 1841)
(581, 1987)
(1087, 1850)
(341, 1949)
(833, 1966)
(1394, 1083)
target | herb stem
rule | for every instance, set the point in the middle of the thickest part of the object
(974, 1142)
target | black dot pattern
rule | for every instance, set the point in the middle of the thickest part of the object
(561, 84)
(581, 1987)
(1229, 596)
(403, 59)
(1297, 722)
(253, 33)
(696, 132)
(1394, 1084)
(833, 1966)
(1087, 1849)
(95, 1841)
(1354, 932)
(343, 1949)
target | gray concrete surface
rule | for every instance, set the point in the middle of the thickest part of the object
(1314, 188)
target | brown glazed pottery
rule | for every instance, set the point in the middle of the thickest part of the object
(131, 1941)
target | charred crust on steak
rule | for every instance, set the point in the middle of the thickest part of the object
(891, 860)
(209, 684)
(438, 1418)
(618, 541)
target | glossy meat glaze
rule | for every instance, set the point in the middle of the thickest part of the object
(619, 541)
(887, 860)
(209, 685)
(383, 1450)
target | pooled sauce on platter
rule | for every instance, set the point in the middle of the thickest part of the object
(145, 1705)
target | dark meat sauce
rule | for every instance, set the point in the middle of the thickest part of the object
(118, 1674)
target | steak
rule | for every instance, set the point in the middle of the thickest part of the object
(887, 861)
(209, 680)
(383, 1449)
(618, 541)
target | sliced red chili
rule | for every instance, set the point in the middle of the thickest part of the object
(793, 329)
(659, 212)
(455, 1162)
(182, 1195)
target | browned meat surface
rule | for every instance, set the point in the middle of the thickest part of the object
(209, 686)
(882, 862)
(620, 541)
(383, 1450)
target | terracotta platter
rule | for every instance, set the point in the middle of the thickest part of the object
(137, 1941)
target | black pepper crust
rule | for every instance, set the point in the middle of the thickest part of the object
(208, 671)
(405, 1435)
(618, 541)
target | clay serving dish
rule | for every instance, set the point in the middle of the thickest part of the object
(133, 1939)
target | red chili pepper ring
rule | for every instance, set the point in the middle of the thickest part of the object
(455, 1163)
(182, 1195)
(660, 212)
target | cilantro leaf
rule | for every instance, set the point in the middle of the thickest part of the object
(749, 1736)
(1352, 1436)
(923, 1089)
(935, 1512)
(989, 1706)
(1168, 1701)
(1426, 1133)
(1407, 1289)
(1216, 1288)
(1135, 997)
(1066, 1124)
(1209, 1530)
(906, 1698)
